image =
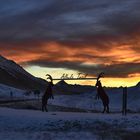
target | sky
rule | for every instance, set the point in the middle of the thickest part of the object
(72, 36)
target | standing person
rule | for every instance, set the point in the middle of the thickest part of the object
(48, 94)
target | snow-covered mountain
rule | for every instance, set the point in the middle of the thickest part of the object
(14, 75)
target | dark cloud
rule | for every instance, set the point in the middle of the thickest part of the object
(67, 20)
(114, 70)
(87, 29)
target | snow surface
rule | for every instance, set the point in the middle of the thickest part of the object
(27, 124)
(82, 101)
(5, 93)
(6, 90)
(37, 125)
(87, 100)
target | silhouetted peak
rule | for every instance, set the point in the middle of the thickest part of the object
(9, 65)
(14, 75)
(61, 83)
(2, 58)
(138, 84)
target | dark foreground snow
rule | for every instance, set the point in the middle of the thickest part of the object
(36, 125)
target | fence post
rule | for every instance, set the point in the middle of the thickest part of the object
(124, 103)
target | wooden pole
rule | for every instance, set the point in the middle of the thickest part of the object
(124, 102)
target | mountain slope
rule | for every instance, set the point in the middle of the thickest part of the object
(66, 89)
(138, 84)
(14, 75)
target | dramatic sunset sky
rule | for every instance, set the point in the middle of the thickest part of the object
(71, 36)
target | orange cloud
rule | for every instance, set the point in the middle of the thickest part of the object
(117, 60)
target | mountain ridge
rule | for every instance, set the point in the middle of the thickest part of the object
(138, 84)
(13, 74)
